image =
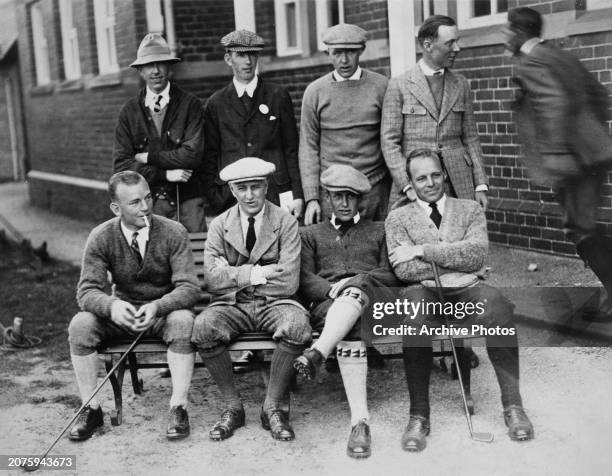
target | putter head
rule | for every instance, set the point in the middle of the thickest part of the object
(29, 468)
(482, 437)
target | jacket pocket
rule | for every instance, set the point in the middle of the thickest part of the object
(415, 109)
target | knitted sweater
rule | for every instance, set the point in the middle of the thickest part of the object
(329, 256)
(340, 124)
(167, 275)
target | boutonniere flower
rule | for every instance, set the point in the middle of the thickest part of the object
(264, 109)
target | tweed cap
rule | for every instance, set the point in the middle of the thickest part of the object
(248, 168)
(242, 40)
(345, 35)
(153, 49)
(339, 177)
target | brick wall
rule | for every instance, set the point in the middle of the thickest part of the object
(265, 26)
(371, 15)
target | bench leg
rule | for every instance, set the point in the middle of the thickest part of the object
(116, 380)
(137, 384)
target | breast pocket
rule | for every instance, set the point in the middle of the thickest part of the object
(271, 256)
(414, 109)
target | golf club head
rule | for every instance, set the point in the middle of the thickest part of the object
(29, 468)
(482, 437)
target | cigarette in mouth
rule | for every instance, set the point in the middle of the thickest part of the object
(146, 221)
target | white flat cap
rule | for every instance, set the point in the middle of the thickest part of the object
(248, 168)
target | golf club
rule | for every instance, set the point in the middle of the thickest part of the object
(32, 468)
(178, 205)
(481, 437)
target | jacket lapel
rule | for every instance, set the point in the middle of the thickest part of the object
(258, 98)
(234, 101)
(233, 231)
(421, 90)
(267, 234)
(451, 93)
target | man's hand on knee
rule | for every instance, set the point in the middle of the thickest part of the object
(122, 313)
(145, 316)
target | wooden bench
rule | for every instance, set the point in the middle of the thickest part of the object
(154, 346)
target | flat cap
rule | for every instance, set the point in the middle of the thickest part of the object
(248, 168)
(345, 35)
(153, 49)
(339, 177)
(242, 40)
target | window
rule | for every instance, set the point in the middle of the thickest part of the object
(477, 13)
(104, 14)
(155, 17)
(39, 43)
(328, 13)
(597, 4)
(70, 43)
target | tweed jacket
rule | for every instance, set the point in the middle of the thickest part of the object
(410, 120)
(268, 132)
(180, 145)
(167, 274)
(459, 245)
(278, 242)
(560, 115)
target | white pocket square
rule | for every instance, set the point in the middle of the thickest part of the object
(273, 118)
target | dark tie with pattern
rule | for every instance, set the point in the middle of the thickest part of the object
(157, 106)
(250, 236)
(435, 215)
(135, 248)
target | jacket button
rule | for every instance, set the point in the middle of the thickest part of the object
(249, 144)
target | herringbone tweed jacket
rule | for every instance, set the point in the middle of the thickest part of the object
(410, 120)
(460, 245)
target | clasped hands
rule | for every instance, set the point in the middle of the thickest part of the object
(126, 315)
(259, 274)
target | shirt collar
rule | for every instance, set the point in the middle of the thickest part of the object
(354, 77)
(151, 97)
(249, 88)
(356, 219)
(440, 203)
(529, 45)
(427, 71)
(142, 238)
(244, 221)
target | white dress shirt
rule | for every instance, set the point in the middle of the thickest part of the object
(356, 219)
(151, 97)
(441, 204)
(141, 239)
(355, 76)
(248, 88)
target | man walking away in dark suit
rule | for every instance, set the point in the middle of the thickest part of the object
(560, 116)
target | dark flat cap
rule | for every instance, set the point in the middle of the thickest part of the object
(339, 177)
(345, 35)
(242, 40)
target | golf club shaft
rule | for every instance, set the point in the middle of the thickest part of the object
(121, 359)
(178, 205)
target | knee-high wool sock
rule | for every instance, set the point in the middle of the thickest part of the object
(340, 319)
(181, 371)
(86, 371)
(220, 367)
(353, 363)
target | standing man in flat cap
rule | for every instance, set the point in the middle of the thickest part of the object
(431, 106)
(340, 124)
(252, 269)
(344, 270)
(561, 116)
(159, 134)
(251, 117)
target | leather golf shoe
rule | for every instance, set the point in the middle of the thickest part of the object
(231, 420)
(517, 421)
(360, 441)
(308, 363)
(89, 420)
(413, 438)
(178, 424)
(277, 421)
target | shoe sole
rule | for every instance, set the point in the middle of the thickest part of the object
(521, 438)
(83, 438)
(266, 427)
(362, 455)
(177, 436)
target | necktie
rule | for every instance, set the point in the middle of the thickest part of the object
(343, 225)
(250, 236)
(136, 248)
(157, 106)
(435, 215)
(247, 102)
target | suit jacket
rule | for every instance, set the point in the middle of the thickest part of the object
(180, 145)
(459, 245)
(410, 120)
(268, 132)
(560, 114)
(278, 242)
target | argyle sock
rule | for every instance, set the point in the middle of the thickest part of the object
(505, 362)
(281, 371)
(220, 367)
(353, 363)
(86, 371)
(340, 319)
(181, 371)
(417, 366)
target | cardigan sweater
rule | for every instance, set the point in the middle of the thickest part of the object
(167, 275)
(340, 124)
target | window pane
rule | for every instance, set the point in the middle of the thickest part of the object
(334, 16)
(290, 12)
(482, 7)
(502, 6)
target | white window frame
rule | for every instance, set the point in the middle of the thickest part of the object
(70, 40)
(155, 16)
(598, 4)
(466, 20)
(280, 18)
(104, 15)
(39, 45)
(323, 18)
